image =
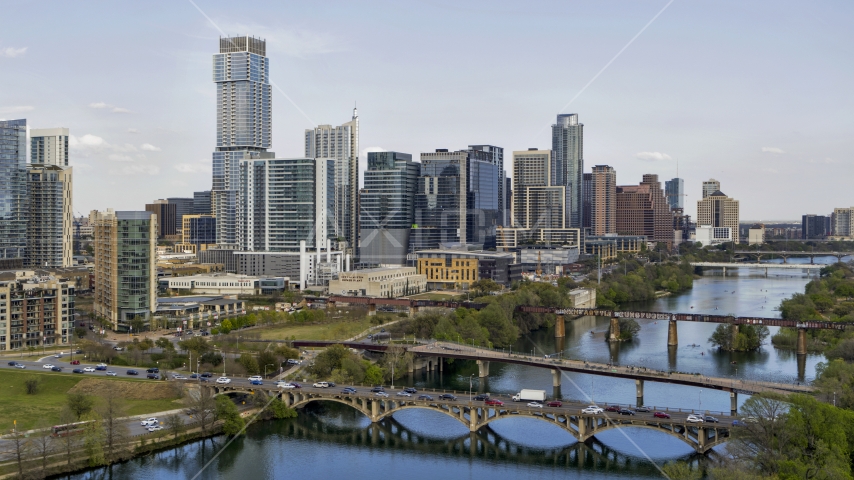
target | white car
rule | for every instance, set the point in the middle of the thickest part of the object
(380, 394)
(102, 365)
(47, 366)
(592, 409)
(695, 419)
(89, 369)
(223, 380)
(255, 377)
(149, 422)
(154, 428)
(111, 373)
(20, 365)
(285, 385)
(403, 394)
(320, 385)
(58, 355)
(178, 377)
(535, 404)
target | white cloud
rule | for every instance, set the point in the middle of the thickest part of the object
(772, 150)
(121, 110)
(198, 167)
(113, 108)
(133, 130)
(17, 109)
(119, 158)
(137, 169)
(87, 140)
(149, 147)
(11, 52)
(824, 161)
(652, 156)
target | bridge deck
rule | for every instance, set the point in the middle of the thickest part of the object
(788, 266)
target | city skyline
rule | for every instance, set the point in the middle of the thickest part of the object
(725, 105)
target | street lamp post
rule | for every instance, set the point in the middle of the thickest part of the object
(471, 379)
(265, 368)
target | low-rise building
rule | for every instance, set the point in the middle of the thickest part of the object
(227, 284)
(707, 235)
(457, 268)
(198, 310)
(389, 282)
(756, 234)
(608, 246)
(35, 310)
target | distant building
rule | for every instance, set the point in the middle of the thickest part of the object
(202, 203)
(496, 156)
(683, 227)
(197, 233)
(537, 204)
(387, 206)
(756, 234)
(643, 210)
(710, 186)
(568, 164)
(219, 255)
(603, 200)
(458, 268)
(49, 146)
(183, 206)
(13, 193)
(305, 268)
(587, 190)
(386, 282)
(842, 223)
(35, 310)
(815, 227)
(707, 235)
(548, 259)
(718, 210)
(222, 284)
(125, 271)
(165, 215)
(608, 246)
(50, 216)
(674, 190)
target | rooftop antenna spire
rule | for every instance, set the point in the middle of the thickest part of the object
(355, 112)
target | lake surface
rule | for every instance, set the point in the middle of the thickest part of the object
(330, 440)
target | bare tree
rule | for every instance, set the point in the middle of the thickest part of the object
(43, 443)
(22, 448)
(764, 435)
(202, 407)
(175, 425)
(111, 409)
(68, 442)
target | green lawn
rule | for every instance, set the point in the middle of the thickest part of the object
(333, 331)
(29, 410)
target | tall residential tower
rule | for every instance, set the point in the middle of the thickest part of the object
(568, 164)
(13, 193)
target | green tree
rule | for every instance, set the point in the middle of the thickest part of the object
(629, 328)
(249, 362)
(32, 385)
(835, 382)
(165, 344)
(226, 411)
(374, 375)
(681, 471)
(79, 404)
(821, 440)
(280, 411)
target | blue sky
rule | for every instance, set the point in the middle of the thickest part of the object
(754, 94)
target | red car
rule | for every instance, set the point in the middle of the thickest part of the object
(554, 403)
(661, 415)
(613, 408)
(75, 362)
(493, 401)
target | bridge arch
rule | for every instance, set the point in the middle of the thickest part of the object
(458, 416)
(343, 401)
(681, 432)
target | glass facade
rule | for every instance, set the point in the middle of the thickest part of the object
(202, 203)
(387, 205)
(568, 164)
(483, 212)
(674, 190)
(13, 193)
(134, 260)
(199, 230)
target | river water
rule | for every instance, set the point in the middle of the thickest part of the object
(330, 440)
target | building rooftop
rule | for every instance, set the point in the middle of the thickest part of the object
(478, 253)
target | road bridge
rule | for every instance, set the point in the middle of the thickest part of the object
(477, 415)
(786, 254)
(809, 268)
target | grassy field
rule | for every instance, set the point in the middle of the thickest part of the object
(29, 410)
(334, 331)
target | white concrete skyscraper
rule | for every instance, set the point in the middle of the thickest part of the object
(49, 146)
(241, 71)
(568, 163)
(342, 144)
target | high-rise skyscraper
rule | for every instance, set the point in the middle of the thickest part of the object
(49, 146)
(643, 210)
(568, 164)
(815, 226)
(674, 190)
(603, 200)
(49, 217)
(165, 211)
(710, 186)
(13, 193)
(387, 208)
(342, 144)
(537, 204)
(718, 210)
(202, 203)
(284, 201)
(496, 156)
(183, 206)
(842, 222)
(241, 71)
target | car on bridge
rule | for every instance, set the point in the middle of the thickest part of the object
(626, 411)
(320, 385)
(710, 419)
(403, 394)
(694, 419)
(348, 390)
(286, 385)
(642, 409)
(613, 408)
(447, 396)
(425, 397)
(111, 373)
(56, 369)
(20, 365)
(592, 409)
(101, 366)
(380, 394)
(482, 397)
(256, 382)
(535, 404)
(12, 364)
(410, 390)
(377, 389)
(296, 385)
(495, 402)
(254, 377)
(223, 380)
(661, 415)
(132, 372)
(554, 403)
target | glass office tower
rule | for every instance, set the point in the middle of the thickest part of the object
(568, 164)
(13, 193)
(241, 71)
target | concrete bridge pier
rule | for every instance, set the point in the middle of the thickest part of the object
(375, 411)
(615, 329)
(474, 417)
(671, 356)
(372, 309)
(724, 271)
(802, 341)
(556, 378)
(639, 391)
(672, 334)
(733, 403)
(482, 368)
(413, 310)
(766, 272)
(560, 326)
(802, 367)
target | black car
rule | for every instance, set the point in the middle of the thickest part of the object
(12, 364)
(99, 367)
(56, 369)
(425, 397)
(626, 411)
(642, 409)
(711, 419)
(153, 376)
(153, 370)
(482, 397)
(207, 375)
(447, 396)
(132, 372)
(410, 390)
(377, 389)
(348, 390)
(331, 384)
(77, 370)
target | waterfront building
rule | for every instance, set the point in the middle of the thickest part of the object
(384, 282)
(707, 235)
(387, 208)
(603, 201)
(285, 201)
(35, 310)
(198, 233)
(568, 164)
(183, 206)
(456, 200)
(643, 210)
(710, 186)
(718, 210)
(756, 234)
(125, 270)
(815, 226)
(537, 204)
(608, 246)
(674, 190)
(340, 143)
(49, 216)
(241, 72)
(166, 214)
(202, 203)
(49, 146)
(459, 267)
(13, 193)
(842, 223)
